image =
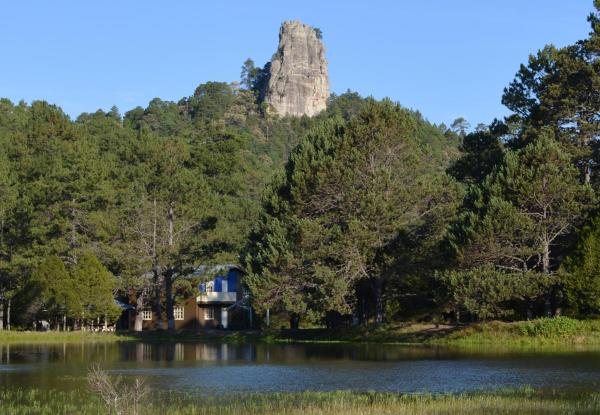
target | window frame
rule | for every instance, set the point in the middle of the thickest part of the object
(179, 309)
(209, 313)
(147, 315)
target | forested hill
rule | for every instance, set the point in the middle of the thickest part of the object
(157, 190)
(365, 212)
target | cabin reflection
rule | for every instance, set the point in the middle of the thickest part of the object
(174, 352)
(109, 354)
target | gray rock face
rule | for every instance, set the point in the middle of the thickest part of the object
(298, 83)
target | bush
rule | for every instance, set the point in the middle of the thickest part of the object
(487, 293)
(551, 327)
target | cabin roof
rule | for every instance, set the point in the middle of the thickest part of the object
(215, 269)
(124, 306)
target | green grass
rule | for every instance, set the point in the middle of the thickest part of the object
(524, 401)
(14, 337)
(550, 332)
(557, 332)
(545, 332)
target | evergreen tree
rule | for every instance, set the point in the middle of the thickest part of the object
(56, 291)
(95, 288)
(552, 91)
(349, 189)
(516, 218)
(581, 272)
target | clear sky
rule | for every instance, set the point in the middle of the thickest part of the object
(444, 58)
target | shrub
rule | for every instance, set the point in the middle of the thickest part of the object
(551, 327)
(486, 292)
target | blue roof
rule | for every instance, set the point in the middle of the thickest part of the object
(123, 305)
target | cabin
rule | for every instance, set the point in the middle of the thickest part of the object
(221, 302)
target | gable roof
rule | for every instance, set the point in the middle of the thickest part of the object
(215, 269)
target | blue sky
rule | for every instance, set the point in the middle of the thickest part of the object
(444, 58)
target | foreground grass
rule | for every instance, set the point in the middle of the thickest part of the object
(19, 402)
(15, 337)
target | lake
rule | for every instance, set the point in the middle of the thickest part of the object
(223, 368)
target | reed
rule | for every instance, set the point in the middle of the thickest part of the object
(523, 401)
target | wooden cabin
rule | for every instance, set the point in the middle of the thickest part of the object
(221, 302)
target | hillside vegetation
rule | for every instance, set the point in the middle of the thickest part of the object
(364, 214)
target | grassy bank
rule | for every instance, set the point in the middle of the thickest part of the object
(60, 337)
(309, 403)
(555, 332)
(552, 332)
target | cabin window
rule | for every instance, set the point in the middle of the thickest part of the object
(178, 313)
(209, 313)
(210, 287)
(146, 314)
(224, 286)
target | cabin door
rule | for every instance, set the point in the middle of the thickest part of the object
(224, 321)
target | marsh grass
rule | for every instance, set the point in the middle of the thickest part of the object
(523, 401)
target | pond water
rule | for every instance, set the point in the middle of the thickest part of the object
(222, 368)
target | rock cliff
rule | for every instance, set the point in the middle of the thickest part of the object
(298, 81)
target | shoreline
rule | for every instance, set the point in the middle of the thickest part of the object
(495, 333)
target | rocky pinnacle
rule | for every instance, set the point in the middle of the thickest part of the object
(298, 82)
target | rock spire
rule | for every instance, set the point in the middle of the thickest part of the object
(298, 81)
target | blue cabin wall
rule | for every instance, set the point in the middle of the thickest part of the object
(232, 278)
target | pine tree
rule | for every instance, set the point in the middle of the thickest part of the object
(56, 290)
(581, 272)
(95, 287)
(516, 218)
(348, 190)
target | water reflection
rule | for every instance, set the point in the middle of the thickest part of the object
(210, 352)
(215, 367)
(177, 352)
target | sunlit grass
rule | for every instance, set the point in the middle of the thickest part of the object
(25, 337)
(308, 403)
(517, 335)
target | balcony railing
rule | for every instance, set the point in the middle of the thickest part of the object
(217, 297)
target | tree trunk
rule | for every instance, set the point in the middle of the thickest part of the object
(169, 298)
(294, 321)
(73, 238)
(169, 275)
(546, 270)
(546, 257)
(155, 270)
(379, 306)
(457, 316)
(587, 177)
(1, 314)
(139, 305)
(8, 304)
(64, 323)
(548, 304)
(157, 299)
